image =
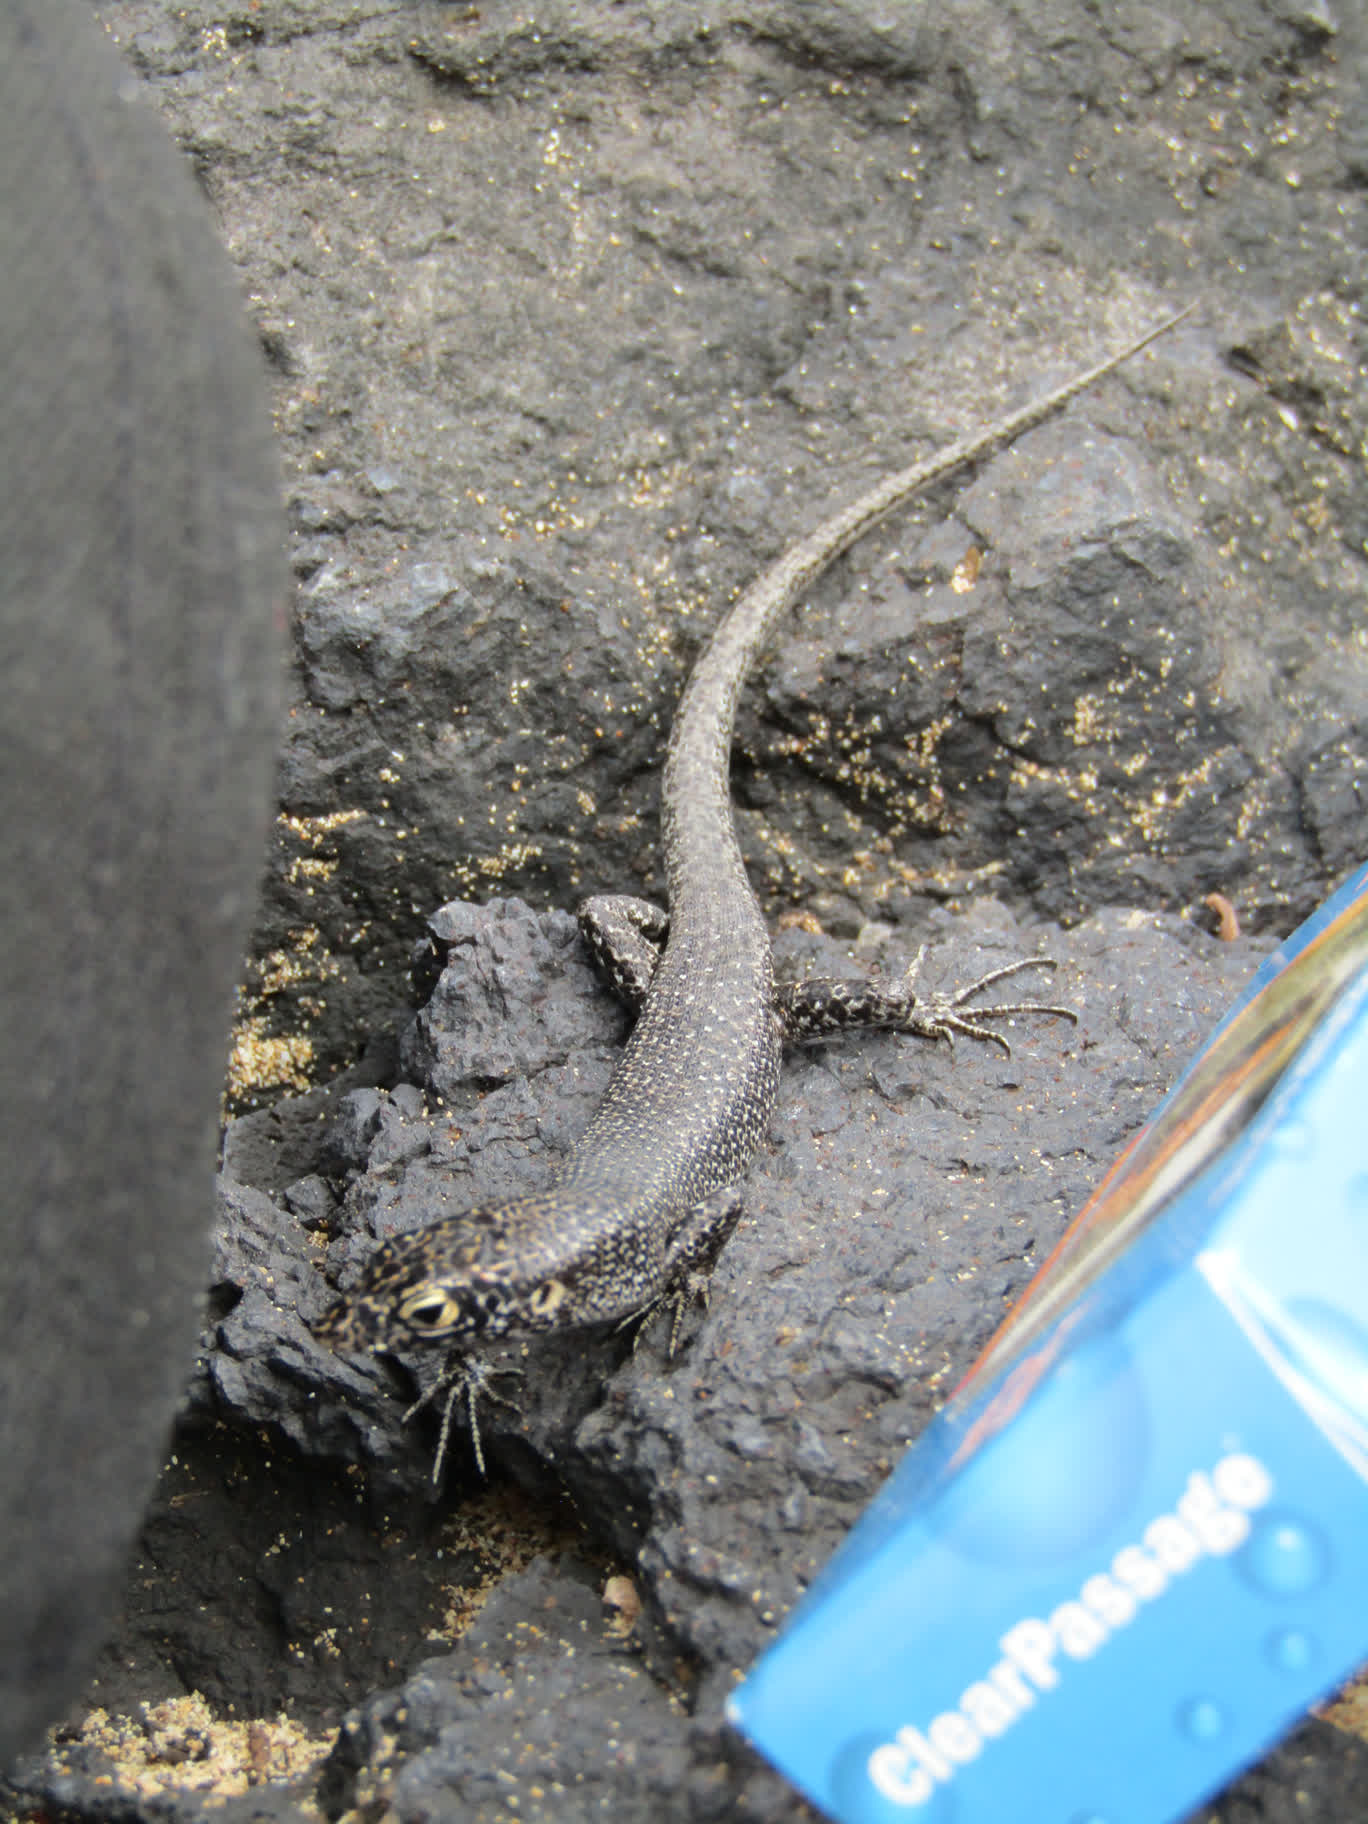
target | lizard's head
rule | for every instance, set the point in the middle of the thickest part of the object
(463, 1280)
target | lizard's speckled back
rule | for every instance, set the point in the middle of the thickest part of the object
(694, 1091)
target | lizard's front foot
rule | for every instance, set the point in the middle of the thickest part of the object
(692, 1255)
(690, 1290)
(473, 1380)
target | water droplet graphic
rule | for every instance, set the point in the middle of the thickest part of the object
(1291, 1650)
(1284, 1555)
(1201, 1719)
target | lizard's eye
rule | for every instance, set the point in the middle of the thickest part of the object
(546, 1299)
(431, 1311)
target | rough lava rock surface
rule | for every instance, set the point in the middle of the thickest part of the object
(579, 313)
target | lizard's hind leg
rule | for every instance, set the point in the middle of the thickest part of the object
(817, 1009)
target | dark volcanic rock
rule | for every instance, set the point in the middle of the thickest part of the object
(581, 311)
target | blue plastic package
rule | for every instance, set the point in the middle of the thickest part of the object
(1133, 1547)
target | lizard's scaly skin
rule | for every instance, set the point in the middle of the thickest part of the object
(693, 1093)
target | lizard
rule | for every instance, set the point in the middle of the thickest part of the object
(642, 1204)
